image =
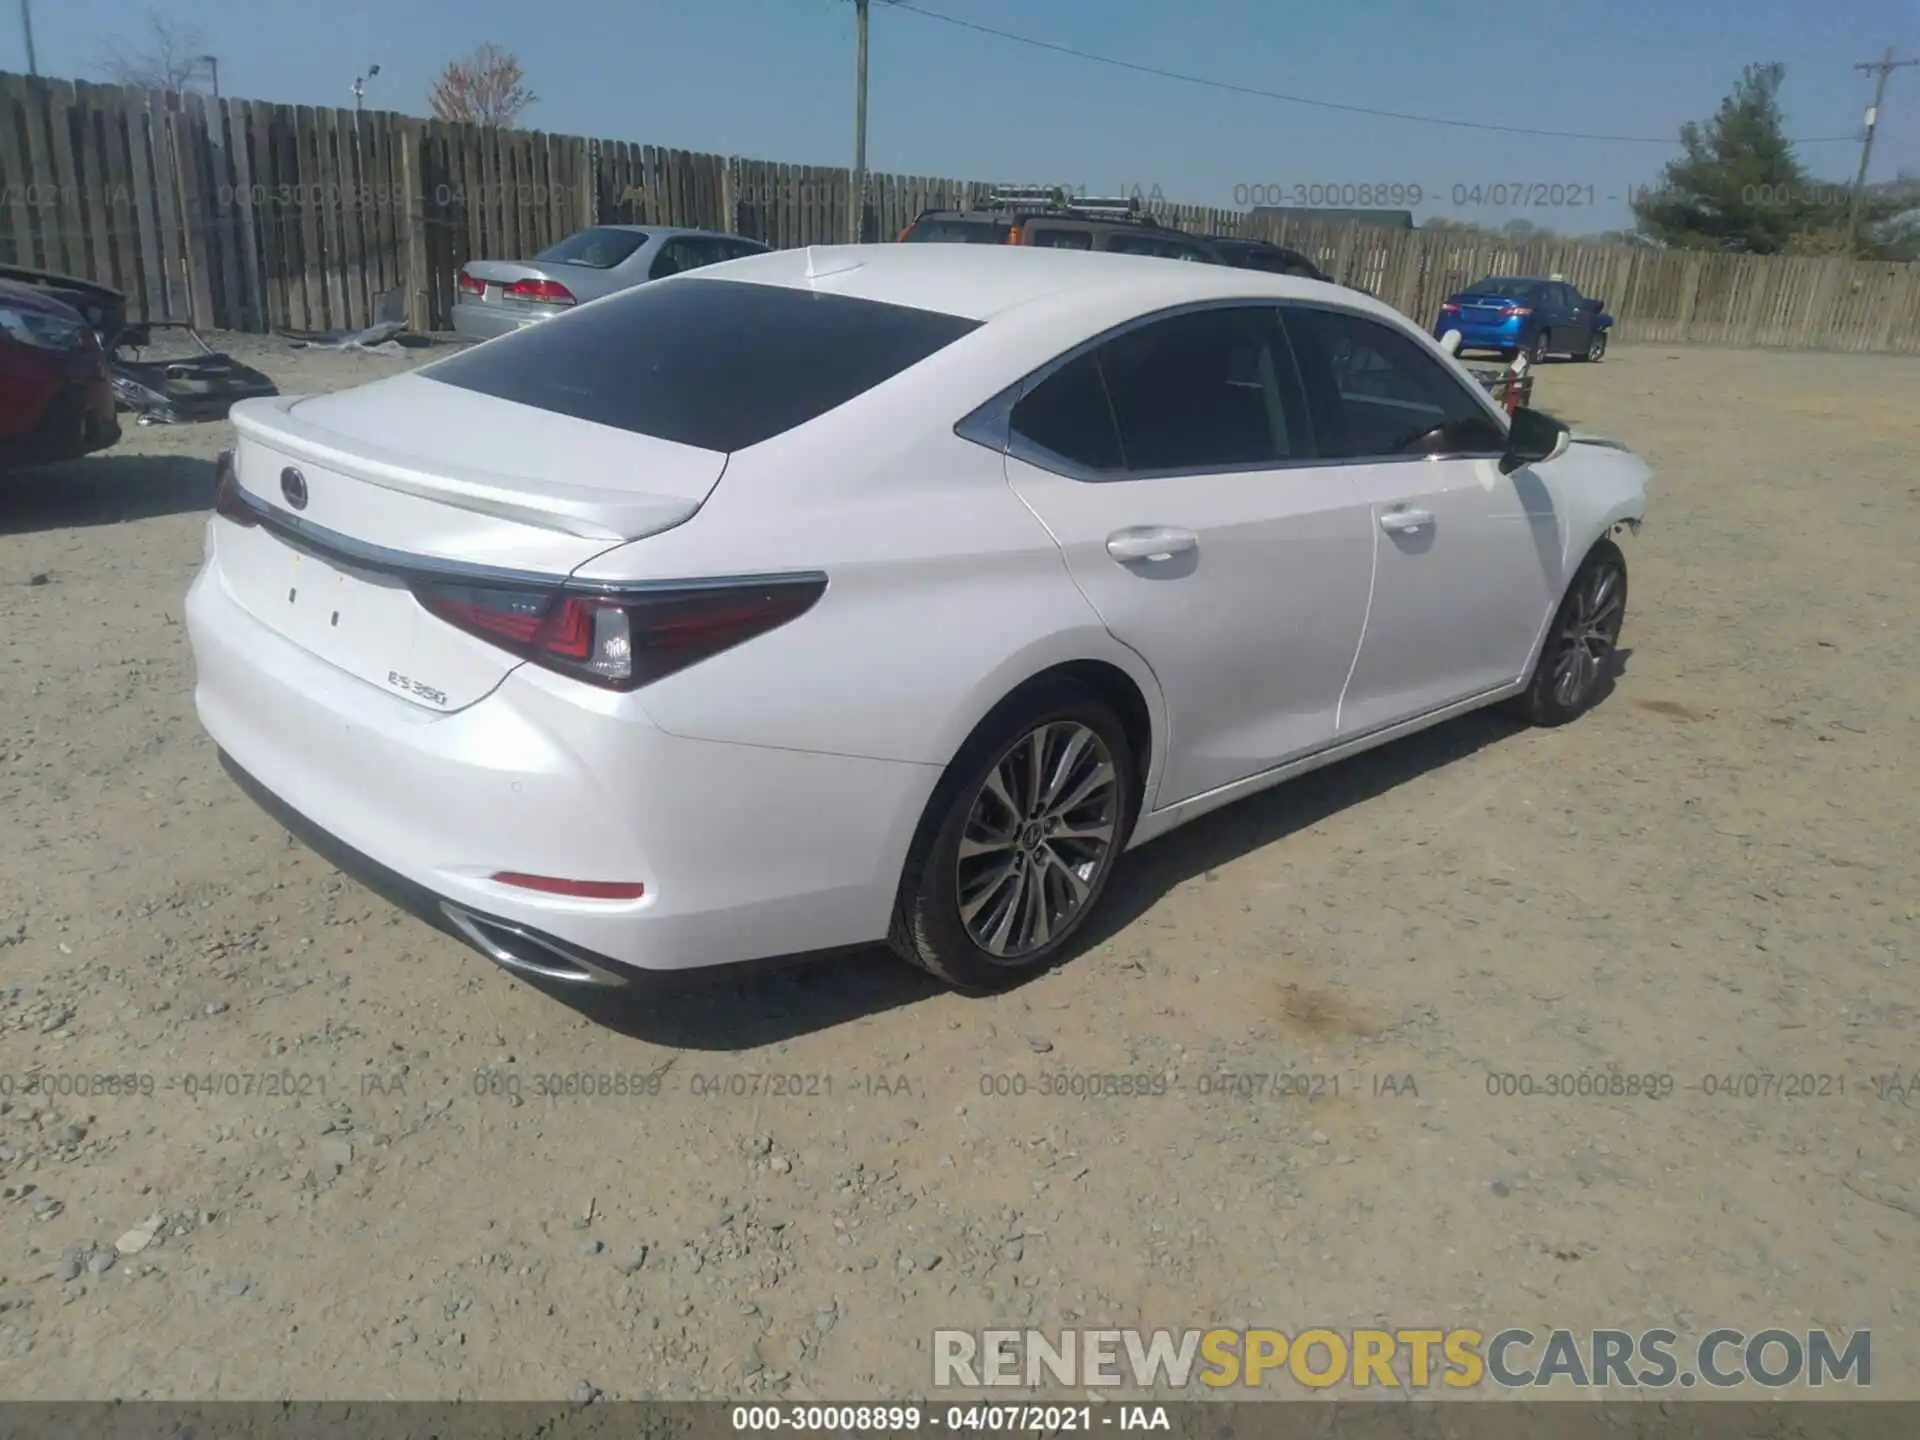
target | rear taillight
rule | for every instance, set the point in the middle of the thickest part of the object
(626, 640)
(1509, 311)
(544, 292)
(1449, 309)
(1013, 235)
(227, 500)
(471, 286)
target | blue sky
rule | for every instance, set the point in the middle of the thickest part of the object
(773, 79)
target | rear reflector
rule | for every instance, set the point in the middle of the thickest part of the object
(227, 501)
(626, 640)
(580, 889)
(544, 292)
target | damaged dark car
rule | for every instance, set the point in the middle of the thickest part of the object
(167, 374)
(162, 370)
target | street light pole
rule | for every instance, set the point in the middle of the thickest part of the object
(360, 85)
(26, 24)
(1881, 69)
(857, 201)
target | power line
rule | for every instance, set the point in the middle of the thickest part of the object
(1236, 89)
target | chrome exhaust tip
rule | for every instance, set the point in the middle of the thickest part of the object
(518, 950)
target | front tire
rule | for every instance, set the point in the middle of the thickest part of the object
(1576, 662)
(1019, 840)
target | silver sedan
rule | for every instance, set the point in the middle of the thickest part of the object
(497, 297)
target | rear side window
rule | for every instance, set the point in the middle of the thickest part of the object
(1206, 390)
(715, 364)
(960, 232)
(600, 248)
(1057, 239)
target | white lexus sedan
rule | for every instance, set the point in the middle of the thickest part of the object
(876, 593)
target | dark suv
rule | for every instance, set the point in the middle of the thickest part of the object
(1052, 218)
(1263, 255)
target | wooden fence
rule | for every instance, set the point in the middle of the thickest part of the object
(245, 215)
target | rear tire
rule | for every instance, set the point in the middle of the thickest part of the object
(1019, 840)
(1537, 351)
(1596, 347)
(1576, 661)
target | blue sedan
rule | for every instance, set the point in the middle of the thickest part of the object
(1514, 315)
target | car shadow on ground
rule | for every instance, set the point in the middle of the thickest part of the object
(808, 994)
(103, 489)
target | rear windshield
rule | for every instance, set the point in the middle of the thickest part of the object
(960, 232)
(717, 364)
(1506, 287)
(600, 248)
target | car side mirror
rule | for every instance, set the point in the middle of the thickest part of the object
(1533, 437)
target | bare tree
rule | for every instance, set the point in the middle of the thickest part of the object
(169, 56)
(484, 88)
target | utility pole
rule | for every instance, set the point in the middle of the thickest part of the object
(857, 202)
(26, 24)
(1880, 69)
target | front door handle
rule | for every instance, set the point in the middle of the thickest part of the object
(1404, 521)
(1150, 542)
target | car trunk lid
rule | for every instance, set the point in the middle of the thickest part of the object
(407, 478)
(1484, 305)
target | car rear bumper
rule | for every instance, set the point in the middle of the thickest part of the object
(77, 421)
(747, 852)
(1507, 336)
(473, 321)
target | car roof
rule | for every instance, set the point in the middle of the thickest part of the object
(981, 281)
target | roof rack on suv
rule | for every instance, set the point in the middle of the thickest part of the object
(1118, 207)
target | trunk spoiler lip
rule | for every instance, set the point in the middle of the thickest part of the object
(301, 532)
(612, 517)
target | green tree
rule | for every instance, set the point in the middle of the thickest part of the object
(1738, 185)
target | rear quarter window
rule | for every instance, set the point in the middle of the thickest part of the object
(716, 364)
(961, 232)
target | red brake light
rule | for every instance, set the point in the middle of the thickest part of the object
(471, 286)
(546, 292)
(227, 500)
(626, 640)
(1516, 310)
(1449, 309)
(580, 889)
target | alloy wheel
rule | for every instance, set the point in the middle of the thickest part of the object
(1039, 834)
(1597, 346)
(1588, 634)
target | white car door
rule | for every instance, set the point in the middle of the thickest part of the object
(1468, 561)
(1172, 463)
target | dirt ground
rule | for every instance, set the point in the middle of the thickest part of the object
(1714, 874)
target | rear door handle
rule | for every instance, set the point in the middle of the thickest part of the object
(1150, 542)
(1404, 521)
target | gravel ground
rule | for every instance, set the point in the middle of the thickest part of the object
(336, 1176)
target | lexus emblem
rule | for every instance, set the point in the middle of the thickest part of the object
(293, 485)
